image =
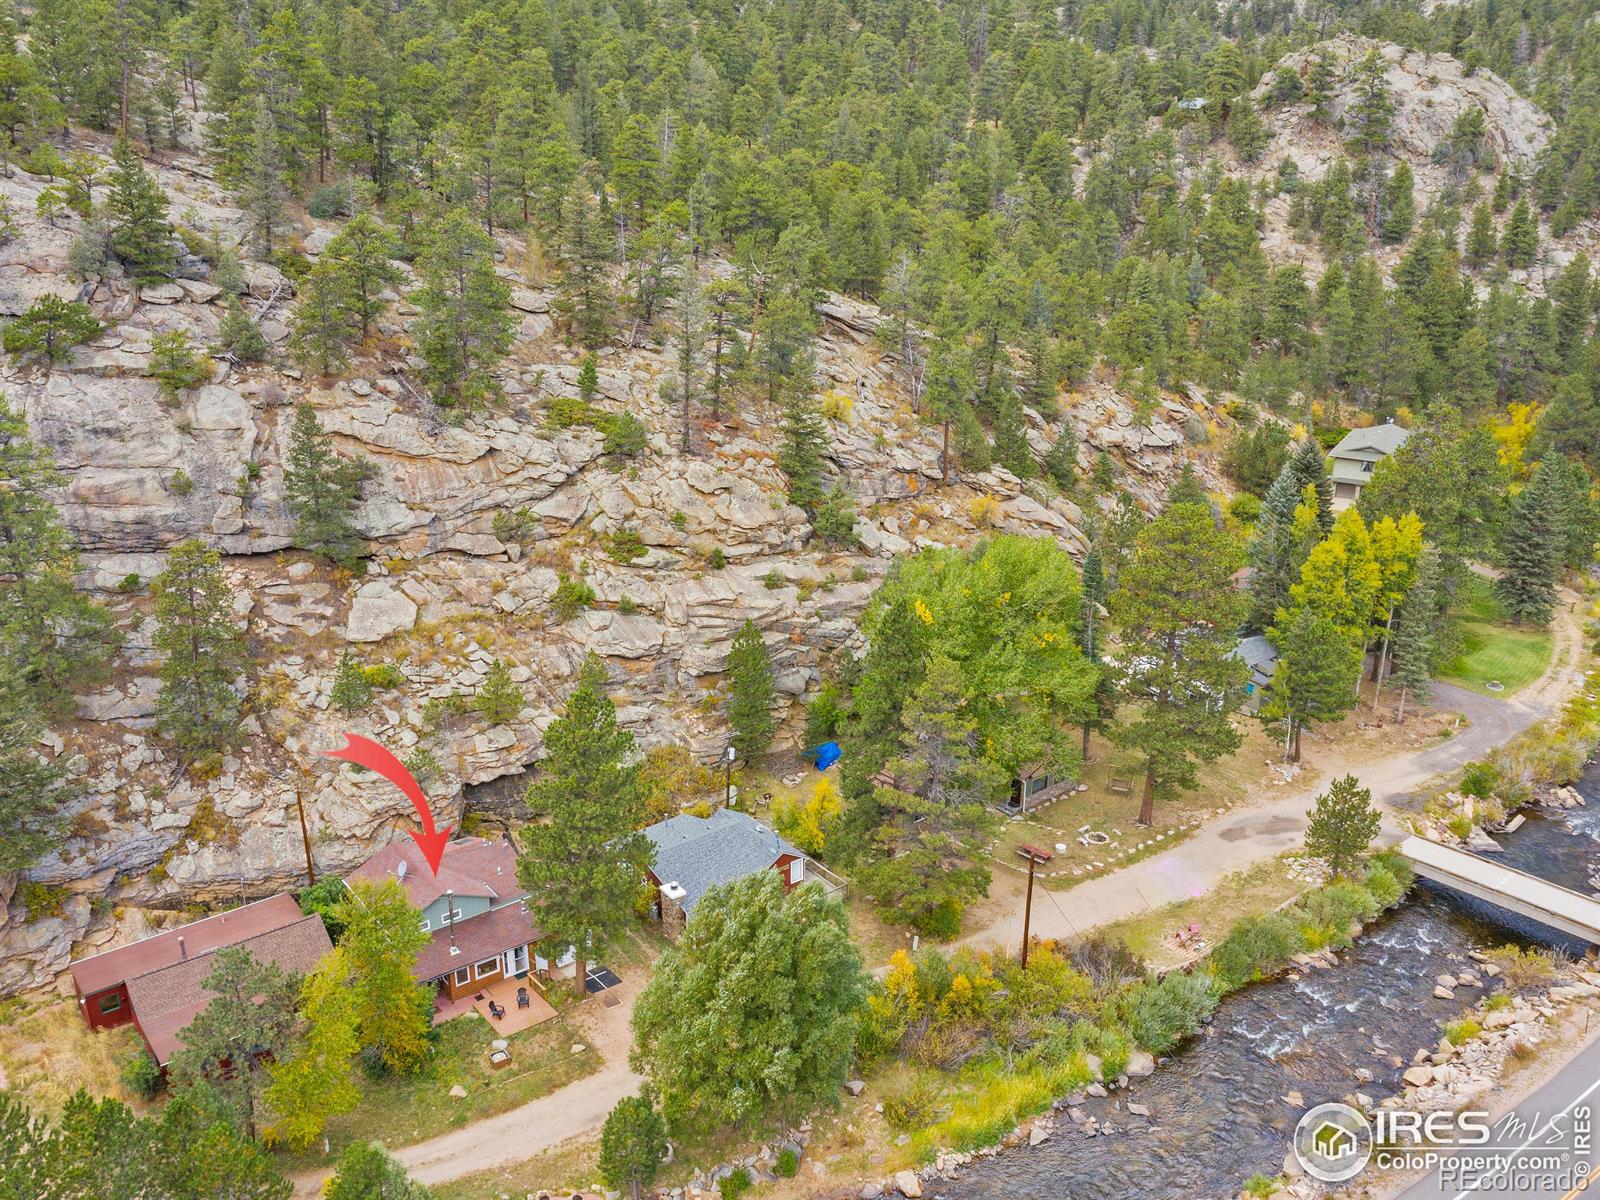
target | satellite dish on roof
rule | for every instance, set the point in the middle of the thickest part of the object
(400, 871)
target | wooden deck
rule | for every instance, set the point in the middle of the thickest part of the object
(504, 993)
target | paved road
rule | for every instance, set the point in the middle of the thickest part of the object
(1552, 1155)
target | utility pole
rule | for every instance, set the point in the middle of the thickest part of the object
(305, 837)
(1027, 914)
(1035, 856)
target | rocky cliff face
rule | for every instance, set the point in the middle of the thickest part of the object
(443, 596)
(1429, 92)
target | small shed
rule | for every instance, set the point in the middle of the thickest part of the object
(1259, 655)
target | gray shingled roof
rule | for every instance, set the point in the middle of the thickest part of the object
(1375, 440)
(697, 853)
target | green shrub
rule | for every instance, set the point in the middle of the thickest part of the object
(180, 484)
(1259, 1187)
(915, 1105)
(627, 606)
(1255, 948)
(1498, 1002)
(1383, 887)
(334, 200)
(1161, 1013)
(1335, 906)
(626, 435)
(734, 1184)
(625, 545)
(1462, 1031)
(772, 580)
(322, 898)
(516, 525)
(384, 675)
(941, 922)
(41, 900)
(1479, 779)
(788, 1163)
(564, 412)
(141, 1074)
(835, 519)
(572, 597)
(717, 559)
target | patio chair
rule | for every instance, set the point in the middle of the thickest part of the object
(496, 1011)
(522, 997)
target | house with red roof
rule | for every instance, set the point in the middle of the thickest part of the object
(158, 984)
(473, 908)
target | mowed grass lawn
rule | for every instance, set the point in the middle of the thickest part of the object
(1493, 650)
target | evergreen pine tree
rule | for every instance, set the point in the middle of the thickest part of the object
(584, 297)
(265, 198)
(175, 364)
(937, 818)
(1480, 238)
(801, 447)
(49, 329)
(202, 651)
(465, 323)
(1341, 826)
(499, 699)
(1309, 465)
(358, 259)
(1011, 447)
(1061, 461)
(633, 1143)
(351, 689)
(1414, 641)
(322, 489)
(1178, 614)
(582, 865)
(1579, 521)
(750, 693)
(1318, 668)
(137, 207)
(319, 328)
(1399, 206)
(1531, 548)
(34, 791)
(238, 335)
(1519, 243)
(53, 638)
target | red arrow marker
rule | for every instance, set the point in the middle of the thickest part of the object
(365, 752)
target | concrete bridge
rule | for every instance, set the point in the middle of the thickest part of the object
(1526, 895)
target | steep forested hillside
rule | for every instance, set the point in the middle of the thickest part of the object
(427, 346)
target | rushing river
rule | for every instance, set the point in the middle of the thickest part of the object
(1217, 1112)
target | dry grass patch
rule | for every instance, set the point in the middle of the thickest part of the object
(1259, 888)
(47, 1053)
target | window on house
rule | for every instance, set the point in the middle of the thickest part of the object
(425, 925)
(111, 1003)
(489, 966)
(1366, 467)
(1036, 785)
(797, 871)
(463, 976)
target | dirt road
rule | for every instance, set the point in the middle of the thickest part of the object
(1189, 868)
(576, 1110)
(1248, 835)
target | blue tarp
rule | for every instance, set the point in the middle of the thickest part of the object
(826, 755)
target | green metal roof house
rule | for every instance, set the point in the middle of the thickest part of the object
(1351, 462)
